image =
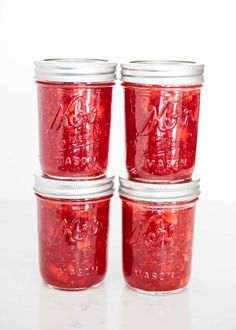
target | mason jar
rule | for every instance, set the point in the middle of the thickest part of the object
(73, 220)
(158, 223)
(162, 100)
(74, 106)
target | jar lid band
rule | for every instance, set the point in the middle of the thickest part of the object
(71, 189)
(166, 73)
(161, 192)
(78, 70)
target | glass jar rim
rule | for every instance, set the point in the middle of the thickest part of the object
(160, 192)
(163, 72)
(73, 189)
(75, 70)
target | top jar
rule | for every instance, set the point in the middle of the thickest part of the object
(162, 100)
(74, 103)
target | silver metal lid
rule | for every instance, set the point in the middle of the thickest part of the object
(162, 193)
(83, 189)
(167, 73)
(80, 70)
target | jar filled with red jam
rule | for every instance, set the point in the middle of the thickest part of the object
(74, 103)
(73, 219)
(158, 222)
(162, 100)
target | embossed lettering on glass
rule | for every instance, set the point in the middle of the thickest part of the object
(74, 116)
(161, 114)
(73, 231)
(158, 223)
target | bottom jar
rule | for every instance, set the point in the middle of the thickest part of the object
(73, 220)
(158, 222)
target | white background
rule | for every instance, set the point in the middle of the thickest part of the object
(120, 31)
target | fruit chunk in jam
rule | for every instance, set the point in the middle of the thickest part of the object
(157, 244)
(74, 128)
(161, 131)
(73, 242)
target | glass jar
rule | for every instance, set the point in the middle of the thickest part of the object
(162, 100)
(74, 103)
(158, 222)
(73, 219)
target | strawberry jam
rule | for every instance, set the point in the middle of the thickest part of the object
(161, 131)
(161, 122)
(74, 103)
(72, 240)
(74, 126)
(157, 243)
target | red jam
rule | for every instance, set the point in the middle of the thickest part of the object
(73, 242)
(74, 128)
(161, 131)
(157, 244)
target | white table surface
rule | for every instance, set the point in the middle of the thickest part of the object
(207, 303)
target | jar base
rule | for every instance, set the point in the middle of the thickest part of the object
(73, 289)
(160, 181)
(74, 178)
(155, 293)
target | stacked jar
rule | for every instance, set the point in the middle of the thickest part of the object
(73, 192)
(162, 100)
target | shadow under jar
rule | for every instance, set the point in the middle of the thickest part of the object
(162, 100)
(73, 219)
(74, 104)
(158, 223)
